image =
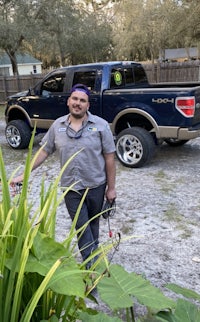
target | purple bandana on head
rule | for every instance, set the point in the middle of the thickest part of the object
(81, 88)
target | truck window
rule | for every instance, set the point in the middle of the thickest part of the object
(87, 78)
(126, 77)
(140, 75)
(121, 77)
(53, 84)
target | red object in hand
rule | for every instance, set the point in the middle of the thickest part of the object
(110, 233)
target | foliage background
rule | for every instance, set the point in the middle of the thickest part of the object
(61, 32)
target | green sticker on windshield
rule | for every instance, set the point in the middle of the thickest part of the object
(118, 78)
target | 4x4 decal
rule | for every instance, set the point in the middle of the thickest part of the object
(162, 100)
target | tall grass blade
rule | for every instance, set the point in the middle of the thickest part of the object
(5, 189)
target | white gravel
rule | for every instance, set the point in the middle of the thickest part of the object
(158, 205)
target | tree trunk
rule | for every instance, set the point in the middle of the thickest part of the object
(13, 60)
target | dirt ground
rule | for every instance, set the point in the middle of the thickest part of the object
(158, 205)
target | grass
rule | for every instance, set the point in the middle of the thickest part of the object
(162, 179)
(160, 175)
(182, 224)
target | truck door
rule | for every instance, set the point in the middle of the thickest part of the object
(50, 103)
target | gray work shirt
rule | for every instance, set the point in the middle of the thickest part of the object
(93, 139)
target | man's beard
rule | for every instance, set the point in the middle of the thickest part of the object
(77, 116)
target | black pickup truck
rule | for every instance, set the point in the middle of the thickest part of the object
(141, 115)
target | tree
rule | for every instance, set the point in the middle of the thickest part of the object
(38, 26)
(94, 42)
(57, 21)
(141, 33)
(61, 32)
(69, 33)
(12, 29)
(187, 25)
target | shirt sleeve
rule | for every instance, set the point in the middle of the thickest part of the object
(49, 140)
(108, 144)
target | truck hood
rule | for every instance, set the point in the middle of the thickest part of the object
(20, 94)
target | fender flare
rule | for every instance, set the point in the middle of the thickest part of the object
(134, 110)
(18, 107)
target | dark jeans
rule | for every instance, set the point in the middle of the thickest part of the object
(89, 239)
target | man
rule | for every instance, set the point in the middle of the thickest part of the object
(93, 167)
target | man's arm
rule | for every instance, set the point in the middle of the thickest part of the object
(110, 174)
(41, 157)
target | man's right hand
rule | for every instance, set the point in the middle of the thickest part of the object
(18, 179)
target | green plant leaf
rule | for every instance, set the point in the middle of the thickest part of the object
(45, 247)
(68, 278)
(99, 317)
(4, 187)
(184, 291)
(127, 285)
(28, 312)
(185, 312)
(68, 282)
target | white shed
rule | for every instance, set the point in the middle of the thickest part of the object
(26, 65)
(179, 54)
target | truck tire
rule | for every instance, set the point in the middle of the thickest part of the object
(18, 134)
(134, 147)
(175, 142)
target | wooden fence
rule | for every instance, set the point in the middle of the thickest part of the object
(173, 72)
(13, 84)
(156, 73)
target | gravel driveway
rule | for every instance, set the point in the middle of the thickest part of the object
(158, 204)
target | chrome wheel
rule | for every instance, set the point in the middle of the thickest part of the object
(18, 134)
(134, 147)
(129, 149)
(13, 136)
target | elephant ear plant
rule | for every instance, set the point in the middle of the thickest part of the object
(40, 279)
